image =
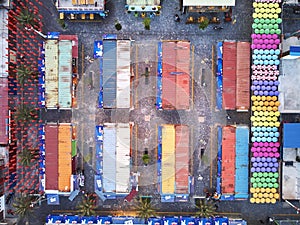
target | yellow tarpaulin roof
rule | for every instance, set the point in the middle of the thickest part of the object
(208, 2)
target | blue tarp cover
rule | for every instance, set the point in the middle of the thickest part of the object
(291, 133)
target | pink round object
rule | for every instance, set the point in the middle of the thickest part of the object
(253, 46)
(260, 154)
(253, 36)
(269, 46)
(253, 149)
(271, 144)
(263, 36)
(271, 154)
(269, 36)
(277, 41)
(269, 149)
(266, 144)
(277, 144)
(266, 154)
(258, 46)
(265, 41)
(255, 154)
(274, 36)
(271, 41)
(277, 155)
(274, 46)
(263, 46)
(258, 36)
(261, 41)
(260, 144)
(274, 149)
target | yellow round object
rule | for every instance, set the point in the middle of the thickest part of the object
(252, 190)
(265, 5)
(277, 113)
(275, 108)
(273, 11)
(263, 118)
(270, 15)
(277, 103)
(261, 113)
(266, 113)
(268, 200)
(258, 108)
(266, 195)
(274, 118)
(268, 190)
(266, 124)
(262, 200)
(256, 113)
(278, 10)
(253, 98)
(252, 118)
(275, 16)
(259, 5)
(271, 124)
(264, 108)
(252, 200)
(267, 10)
(257, 190)
(255, 103)
(274, 98)
(269, 98)
(259, 15)
(261, 103)
(257, 200)
(262, 190)
(255, 195)
(269, 118)
(271, 195)
(258, 98)
(276, 5)
(276, 196)
(260, 195)
(273, 200)
(253, 108)
(271, 103)
(271, 113)
(254, 15)
(269, 108)
(265, 15)
(263, 98)
(254, 5)
(266, 103)
(273, 190)
(255, 124)
(277, 124)
(260, 123)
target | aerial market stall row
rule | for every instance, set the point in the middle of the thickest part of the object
(265, 135)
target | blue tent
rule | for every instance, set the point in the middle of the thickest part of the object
(187, 221)
(55, 219)
(171, 221)
(205, 221)
(104, 220)
(72, 219)
(88, 220)
(154, 221)
(221, 221)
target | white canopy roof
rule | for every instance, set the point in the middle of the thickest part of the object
(208, 2)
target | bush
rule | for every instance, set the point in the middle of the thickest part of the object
(118, 26)
(147, 22)
(146, 159)
(204, 23)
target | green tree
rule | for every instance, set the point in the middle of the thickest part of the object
(87, 206)
(205, 208)
(118, 26)
(146, 159)
(24, 73)
(27, 18)
(144, 208)
(204, 21)
(25, 113)
(147, 22)
(23, 207)
(27, 155)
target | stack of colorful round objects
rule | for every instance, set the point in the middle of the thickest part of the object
(265, 117)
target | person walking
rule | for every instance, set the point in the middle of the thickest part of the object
(177, 18)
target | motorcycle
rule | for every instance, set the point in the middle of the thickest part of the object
(218, 28)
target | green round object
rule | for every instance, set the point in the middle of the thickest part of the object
(259, 185)
(279, 20)
(261, 20)
(268, 179)
(254, 174)
(256, 20)
(256, 31)
(273, 21)
(276, 26)
(270, 26)
(267, 21)
(265, 185)
(272, 31)
(252, 180)
(254, 185)
(276, 175)
(267, 31)
(273, 180)
(276, 185)
(261, 31)
(263, 179)
(254, 26)
(265, 26)
(257, 179)
(265, 174)
(278, 31)
(260, 26)
(270, 174)
(270, 185)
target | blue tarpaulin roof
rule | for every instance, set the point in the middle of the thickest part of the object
(291, 133)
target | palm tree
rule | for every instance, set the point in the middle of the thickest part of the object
(27, 18)
(24, 73)
(26, 155)
(25, 113)
(144, 208)
(87, 206)
(23, 207)
(205, 208)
